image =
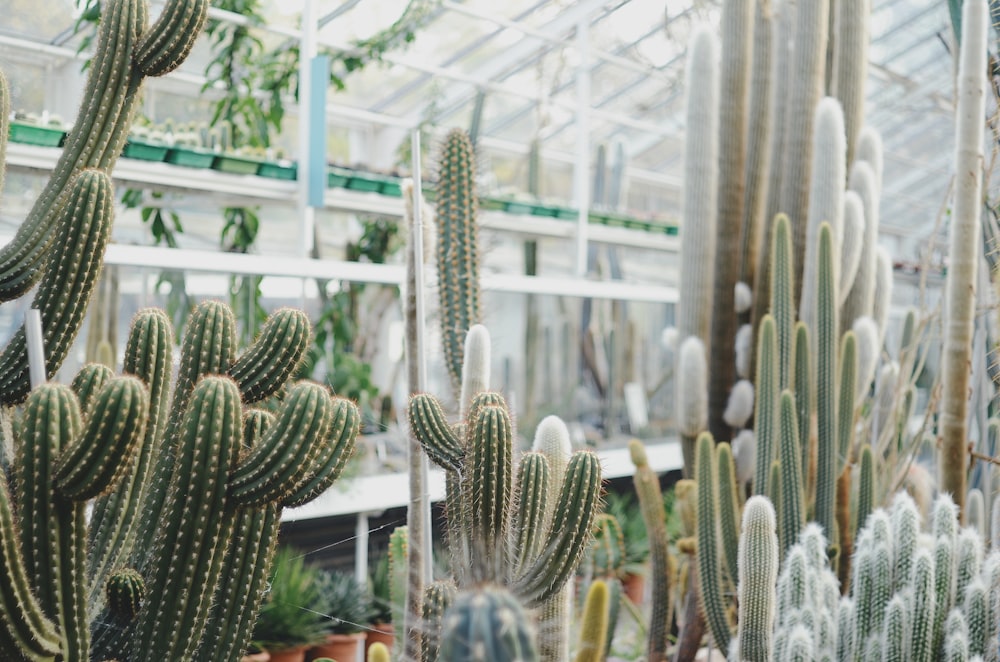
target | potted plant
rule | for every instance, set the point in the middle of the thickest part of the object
(292, 617)
(625, 508)
(380, 602)
(347, 609)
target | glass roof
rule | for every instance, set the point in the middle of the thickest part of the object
(522, 54)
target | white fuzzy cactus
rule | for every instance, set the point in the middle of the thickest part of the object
(739, 409)
(692, 387)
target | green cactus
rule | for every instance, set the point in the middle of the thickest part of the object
(458, 250)
(437, 598)
(594, 627)
(802, 387)
(793, 511)
(647, 488)
(729, 509)
(766, 403)
(399, 547)
(486, 497)
(126, 593)
(758, 575)
(488, 625)
(378, 652)
(710, 582)
(866, 487)
(826, 387)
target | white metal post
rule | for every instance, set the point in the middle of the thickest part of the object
(581, 169)
(36, 347)
(307, 51)
(420, 294)
(361, 561)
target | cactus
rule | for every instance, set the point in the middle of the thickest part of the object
(487, 624)
(399, 548)
(377, 652)
(437, 597)
(458, 250)
(692, 390)
(766, 415)
(758, 574)
(594, 627)
(793, 512)
(647, 488)
(710, 578)
(859, 301)
(485, 496)
(826, 386)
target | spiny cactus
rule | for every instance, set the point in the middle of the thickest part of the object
(710, 578)
(487, 625)
(594, 628)
(758, 574)
(437, 598)
(478, 453)
(458, 250)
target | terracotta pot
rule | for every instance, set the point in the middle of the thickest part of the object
(339, 647)
(381, 632)
(635, 587)
(262, 656)
(289, 655)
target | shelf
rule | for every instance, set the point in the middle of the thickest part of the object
(367, 193)
(374, 494)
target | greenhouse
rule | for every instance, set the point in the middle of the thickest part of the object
(553, 330)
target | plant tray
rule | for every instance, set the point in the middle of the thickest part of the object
(29, 134)
(518, 208)
(236, 165)
(566, 213)
(491, 203)
(364, 184)
(337, 178)
(190, 158)
(392, 187)
(272, 170)
(144, 151)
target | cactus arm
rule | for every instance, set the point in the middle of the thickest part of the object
(210, 436)
(847, 379)
(758, 576)
(73, 268)
(26, 633)
(850, 64)
(647, 488)
(88, 383)
(801, 386)
(458, 250)
(279, 349)
(275, 465)
(765, 416)
(96, 460)
(148, 353)
(826, 388)
(166, 44)
(709, 565)
(859, 301)
(953, 458)
(399, 552)
(782, 290)
(923, 604)
(53, 527)
(475, 367)
(487, 490)
(570, 531)
(793, 510)
(332, 457)
(729, 509)
(529, 520)
(437, 438)
(594, 628)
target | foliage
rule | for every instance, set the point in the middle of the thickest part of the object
(378, 591)
(626, 510)
(344, 602)
(293, 613)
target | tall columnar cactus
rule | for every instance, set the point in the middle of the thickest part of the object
(851, 37)
(807, 72)
(437, 597)
(964, 241)
(594, 628)
(758, 575)
(827, 333)
(647, 488)
(736, 59)
(458, 250)
(710, 578)
(692, 395)
(858, 302)
(698, 241)
(792, 509)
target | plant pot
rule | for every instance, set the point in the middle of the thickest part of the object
(380, 632)
(337, 177)
(262, 656)
(635, 587)
(285, 170)
(339, 647)
(297, 654)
